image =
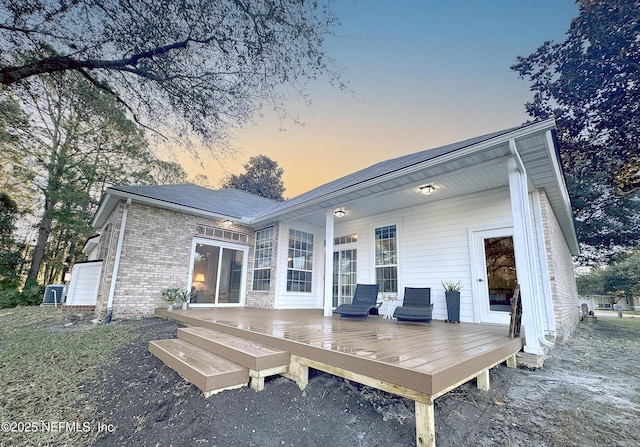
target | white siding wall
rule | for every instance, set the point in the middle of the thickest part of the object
(433, 243)
(544, 286)
(434, 246)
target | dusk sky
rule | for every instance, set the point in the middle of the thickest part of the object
(422, 73)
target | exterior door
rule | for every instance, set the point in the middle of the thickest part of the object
(496, 275)
(345, 263)
(218, 273)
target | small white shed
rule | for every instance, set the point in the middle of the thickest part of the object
(85, 278)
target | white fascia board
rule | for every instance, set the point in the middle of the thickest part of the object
(460, 153)
(566, 201)
(105, 208)
(557, 169)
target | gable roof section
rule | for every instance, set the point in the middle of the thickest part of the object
(190, 198)
(381, 169)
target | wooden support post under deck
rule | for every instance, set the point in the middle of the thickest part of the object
(511, 361)
(297, 372)
(425, 416)
(257, 377)
(483, 380)
(425, 424)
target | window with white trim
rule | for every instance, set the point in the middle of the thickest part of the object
(262, 259)
(386, 258)
(341, 240)
(299, 261)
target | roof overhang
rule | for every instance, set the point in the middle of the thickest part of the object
(472, 168)
(91, 243)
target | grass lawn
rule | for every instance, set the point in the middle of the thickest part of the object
(45, 359)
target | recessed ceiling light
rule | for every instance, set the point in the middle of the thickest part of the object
(339, 212)
(427, 189)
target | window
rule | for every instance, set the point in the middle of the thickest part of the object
(345, 239)
(221, 233)
(387, 258)
(299, 261)
(262, 259)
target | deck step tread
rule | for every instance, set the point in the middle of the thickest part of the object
(204, 369)
(250, 354)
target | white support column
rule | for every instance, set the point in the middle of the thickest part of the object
(524, 252)
(328, 264)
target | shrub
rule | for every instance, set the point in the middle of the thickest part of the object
(31, 295)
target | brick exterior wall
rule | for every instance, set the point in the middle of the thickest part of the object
(82, 308)
(156, 255)
(561, 275)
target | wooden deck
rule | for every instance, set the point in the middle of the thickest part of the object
(415, 361)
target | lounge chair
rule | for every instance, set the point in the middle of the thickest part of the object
(364, 300)
(416, 306)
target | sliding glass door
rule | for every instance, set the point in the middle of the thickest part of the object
(218, 273)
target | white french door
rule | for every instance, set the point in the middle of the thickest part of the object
(345, 266)
(495, 274)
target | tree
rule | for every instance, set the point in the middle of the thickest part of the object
(10, 258)
(11, 119)
(591, 283)
(618, 280)
(79, 141)
(590, 83)
(262, 176)
(606, 223)
(202, 65)
(621, 278)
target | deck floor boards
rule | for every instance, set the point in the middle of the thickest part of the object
(427, 359)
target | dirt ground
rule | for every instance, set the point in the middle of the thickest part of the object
(587, 394)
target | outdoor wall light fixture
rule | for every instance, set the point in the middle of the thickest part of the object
(339, 212)
(227, 223)
(427, 189)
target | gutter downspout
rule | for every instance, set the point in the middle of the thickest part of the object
(116, 263)
(522, 196)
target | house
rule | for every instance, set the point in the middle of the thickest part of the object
(488, 212)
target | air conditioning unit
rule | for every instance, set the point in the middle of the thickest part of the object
(54, 294)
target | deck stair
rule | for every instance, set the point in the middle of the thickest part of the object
(209, 372)
(214, 361)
